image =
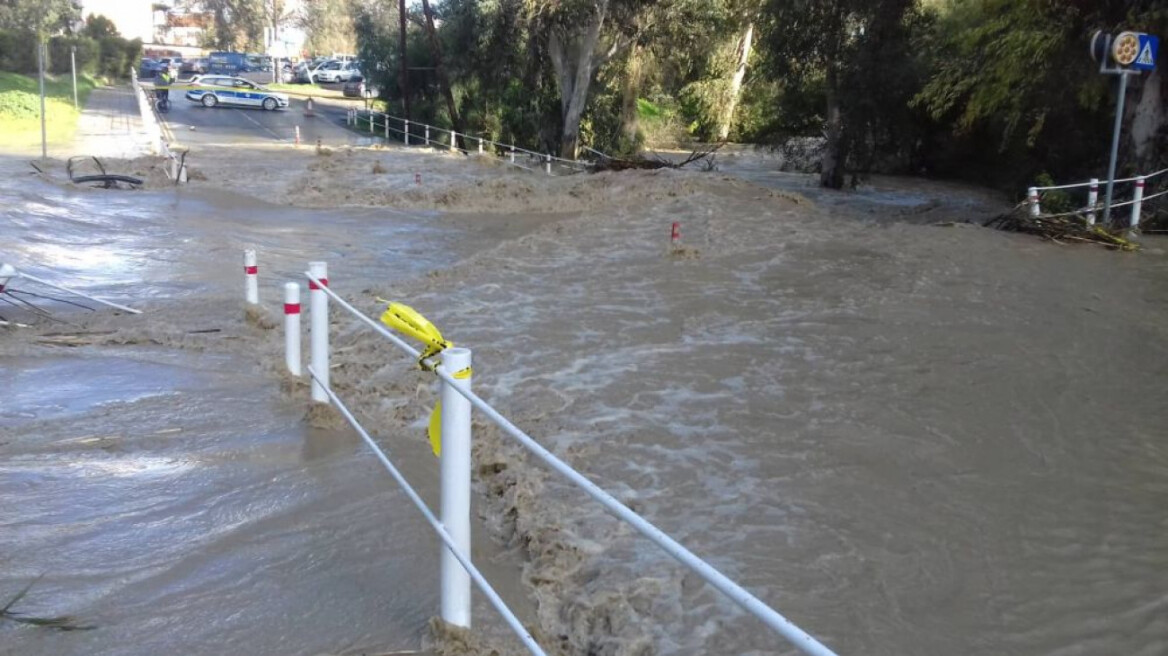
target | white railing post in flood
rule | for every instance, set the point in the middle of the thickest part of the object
(406, 130)
(1032, 199)
(512, 154)
(480, 145)
(1137, 202)
(319, 338)
(387, 127)
(427, 135)
(1092, 200)
(548, 164)
(455, 465)
(453, 140)
(251, 277)
(292, 327)
(371, 114)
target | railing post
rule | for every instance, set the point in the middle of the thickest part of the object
(548, 164)
(292, 327)
(480, 145)
(407, 132)
(387, 127)
(453, 140)
(1137, 202)
(427, 135)
(1092, 200)
(319, 338)
(251, 277)
(371, 122)
(512, 153)
(455, 468)
(1032, 198)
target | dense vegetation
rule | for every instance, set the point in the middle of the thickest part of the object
(999, 91)
(101, 51)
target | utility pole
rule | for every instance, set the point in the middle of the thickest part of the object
(41, 74)
(405, 71)
(73, 65)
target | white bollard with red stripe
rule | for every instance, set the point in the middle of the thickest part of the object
(675, 233)
(1092, 200)
(251, 274)
(1032, 199)
(292, 327)
(1137, 202)
(319, 343)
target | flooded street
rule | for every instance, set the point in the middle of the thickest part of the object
(909, 439)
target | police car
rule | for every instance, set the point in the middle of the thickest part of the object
(212, 90)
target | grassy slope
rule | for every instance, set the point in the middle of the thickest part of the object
(20, 108)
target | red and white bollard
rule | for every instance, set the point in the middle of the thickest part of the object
(297, 136)
(1032, 199)
(675, 234)
(1092, 200)
(1137, 202)
(251, 276)
(480, 145)
(292, 327)
(319, 342)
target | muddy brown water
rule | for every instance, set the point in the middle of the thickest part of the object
(910, 439)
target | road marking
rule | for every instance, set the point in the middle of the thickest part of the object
(260, 125)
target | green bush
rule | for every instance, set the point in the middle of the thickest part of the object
(18, 52)
(88, 54)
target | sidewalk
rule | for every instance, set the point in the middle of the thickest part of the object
(110, 126)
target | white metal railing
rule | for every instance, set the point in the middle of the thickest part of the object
(176, 168)
(9, 272)
(507, 151)
(1034, 198)
(452, 367)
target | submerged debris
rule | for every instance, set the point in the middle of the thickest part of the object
(62, 623)
(1063, 228)
(608, 163)
(106, 180)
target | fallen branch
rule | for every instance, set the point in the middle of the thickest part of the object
(608, 163)
(1071, 227)
(62, 623)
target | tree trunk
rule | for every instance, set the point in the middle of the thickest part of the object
(831, 174)
(440, 71)
(1148, 119)
(572, 51)
(630, 91)
(736, 82)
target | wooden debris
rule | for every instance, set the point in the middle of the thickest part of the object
(1059, 229)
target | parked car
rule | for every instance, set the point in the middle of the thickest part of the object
(194, 66)
(214, 90)
(336, 71)
(358, 87)
(170, 64)
(149, 68)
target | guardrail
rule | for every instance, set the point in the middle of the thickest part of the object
(176, 168)
(421, 133)
(452, 366)
(1034, 198)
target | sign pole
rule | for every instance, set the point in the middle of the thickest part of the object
(1115, 146)
(73, 65)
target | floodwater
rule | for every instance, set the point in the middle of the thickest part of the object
(910, 439)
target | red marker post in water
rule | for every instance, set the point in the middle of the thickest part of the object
(675, 236)
(292, 327)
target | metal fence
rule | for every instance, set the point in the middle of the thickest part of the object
(452, 366)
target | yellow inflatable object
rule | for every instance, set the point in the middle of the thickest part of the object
(435, 430)
(408, 321)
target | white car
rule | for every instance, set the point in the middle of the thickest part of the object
(212, 90)
(335, 71)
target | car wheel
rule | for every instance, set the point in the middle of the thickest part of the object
(209, 100)
(270, 104)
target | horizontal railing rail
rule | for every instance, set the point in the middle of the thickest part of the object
(452, 389)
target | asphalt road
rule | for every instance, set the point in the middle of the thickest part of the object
(191, 124)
